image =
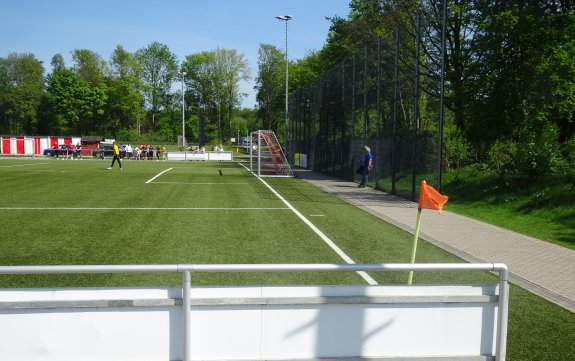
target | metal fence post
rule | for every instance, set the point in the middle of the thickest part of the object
(415, 105)
(378, 119)
(365, 113)
(441, 93)
(353, 99)
(395, 99)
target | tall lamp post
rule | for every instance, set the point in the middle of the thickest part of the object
(183, 117)
(286, 18)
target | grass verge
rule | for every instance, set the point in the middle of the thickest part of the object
(540, 208)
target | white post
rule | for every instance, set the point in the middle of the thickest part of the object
(259, 152)
(503, 312)
(187, 309)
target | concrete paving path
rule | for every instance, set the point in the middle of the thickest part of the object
(543, 268)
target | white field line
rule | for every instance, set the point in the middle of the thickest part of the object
(159, 174)
(197, 183)
(322, 235)
(21, 165)
(137, 209)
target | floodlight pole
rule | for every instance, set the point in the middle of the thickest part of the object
(286, 18)
(183, 117)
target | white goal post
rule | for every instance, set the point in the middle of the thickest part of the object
(267, 158)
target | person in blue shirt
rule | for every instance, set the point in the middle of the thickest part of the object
(366, 162)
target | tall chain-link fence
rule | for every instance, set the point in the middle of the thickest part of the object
(386, 96)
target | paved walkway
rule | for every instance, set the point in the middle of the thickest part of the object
(540, 267)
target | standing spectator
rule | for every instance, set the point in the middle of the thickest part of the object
(137, 153)
(78, 152)
(164, 153)
(158, 152)
(129, 151)
(116, 157)
(366, 162)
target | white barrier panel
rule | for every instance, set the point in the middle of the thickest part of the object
(206, 156)
(250, 323)
(64, 332)
(440, 308)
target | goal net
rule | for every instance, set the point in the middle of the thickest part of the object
(267, 158)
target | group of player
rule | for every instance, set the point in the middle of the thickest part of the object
(66, 151)
(143, 152)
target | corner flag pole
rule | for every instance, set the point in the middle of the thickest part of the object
(414, 248)
(429, 198)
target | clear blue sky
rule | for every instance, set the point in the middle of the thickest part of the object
(48, 27)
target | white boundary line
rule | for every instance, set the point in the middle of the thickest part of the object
(197, 183)
(325, 238)
(157, 175)
(136, 209)
(21, 165)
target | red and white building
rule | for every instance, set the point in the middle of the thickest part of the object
(35, 145)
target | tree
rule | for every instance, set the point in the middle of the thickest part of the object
(124, 92)
(21, 85)
(70, 101)
(367, 21)
(92, 69)
(233, 69)
(522, 80)
(200, 89)
(158, 68)
(212, 82)
(89, 66)
(270, 85)
(57, 62)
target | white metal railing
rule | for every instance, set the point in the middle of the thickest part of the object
(188, 269)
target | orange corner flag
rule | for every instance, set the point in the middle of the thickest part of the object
(430, 198)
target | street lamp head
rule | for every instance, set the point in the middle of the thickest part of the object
(284, 17)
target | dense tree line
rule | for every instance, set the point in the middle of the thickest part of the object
(510, 82)
(510, 74)
(132, 95)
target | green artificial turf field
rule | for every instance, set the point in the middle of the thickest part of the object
(154, 212)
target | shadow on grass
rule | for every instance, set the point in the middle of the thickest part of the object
(293, 190)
